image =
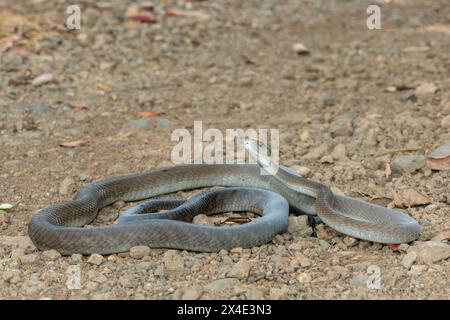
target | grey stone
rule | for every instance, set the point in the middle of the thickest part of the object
(240, 270)
(324, 244)
(342, 126)
(222, 284)
(160, 271)
(317, 152)
(39, 108)
(372, 163)
(326, 100)
(95, 259)
(441, 151)
(128, 281)
(193, 293)
(202, 219)
(8, 275)
(277, 294)
(408, 163)
(173, 262)
(76, 258)
(246, 81)
(409, 259)
(417, 269)
(10, 164)
(17, 253)
(304, 277)
(358, 280)
(302, 260)
(298, 225)
(431, 251)
(161, 122)
(100, 279)
(409, 96)
(255, 293)
(299, 48)
(144, 266)
(339, 152)
(139, 124)
(65, 187)
(51, 255)
(29, 258)
(311, 85)
(158, 122)
(51, 42)
(138, 252)
(350, 241)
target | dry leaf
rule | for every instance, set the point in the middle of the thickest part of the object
(155, 57)
(381, 201)
(42, 79)
(410, 198)
(217, 221)
(238, 220)
(150, 114)
(439, 159)
(80, 106)
(186, 13)
(442, 235)
(146, 17)
(394, 246)
(439, 164)
(74, 144)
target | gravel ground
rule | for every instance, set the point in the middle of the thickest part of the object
(362, 109)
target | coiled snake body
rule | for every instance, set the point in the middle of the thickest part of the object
(60, 227)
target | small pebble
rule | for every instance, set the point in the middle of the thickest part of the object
(407, 163)
(42, 79)
(65, 186)
(240, 270)
(29, 258)
(76, 258)
(138, 252)
(300, 48)
(350, 241)
(304, 278)
(51, 255)
(95, 259)
(409, 259)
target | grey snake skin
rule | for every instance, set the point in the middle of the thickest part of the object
(60, 226)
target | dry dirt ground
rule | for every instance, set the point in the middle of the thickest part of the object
(346, 110)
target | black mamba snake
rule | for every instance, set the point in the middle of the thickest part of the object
(60, 227)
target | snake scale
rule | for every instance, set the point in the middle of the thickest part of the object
(60, 226)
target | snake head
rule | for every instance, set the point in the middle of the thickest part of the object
(262, 153)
